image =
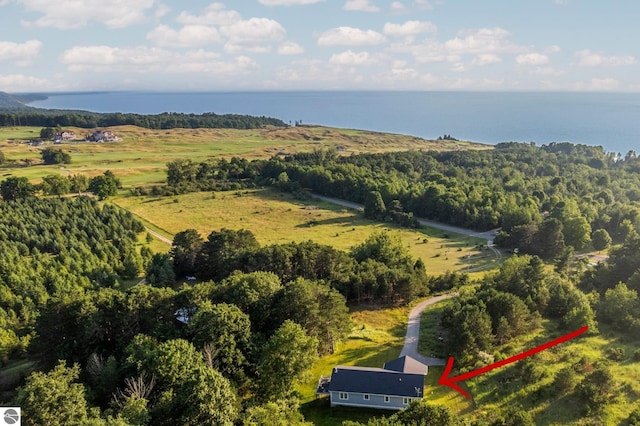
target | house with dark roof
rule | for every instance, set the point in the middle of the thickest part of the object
(391, 387)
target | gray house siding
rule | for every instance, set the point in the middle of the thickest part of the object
(391, 388)
(375, 401)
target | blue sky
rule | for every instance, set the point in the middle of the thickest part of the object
(167, 45)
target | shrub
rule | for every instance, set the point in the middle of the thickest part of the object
(565, 380)
(634, 417)
(615, 354)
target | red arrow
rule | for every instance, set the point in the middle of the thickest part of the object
(445, 380)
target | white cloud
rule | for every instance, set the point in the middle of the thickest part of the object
(474, 84)
(252, 35)
(459, 67)
(409, 28)
(404, 73)
(71, 14)
(305, 72)
(552, 49)
(162, 10)
(349, 36)
(214, 14)
(20, 53)
(141, 59)
(427, 51)
(351, 58)
(597, 84)
(486, 59)
(586, 58)
(398, 8)
(397, 77)
(187, 36)
(424, 4)
(535, 59)
(290, 48)
(255, 35)
(80, 57)
(361, 6)
(20, 82)
(287, 2)
(543, 71)
(484, 40)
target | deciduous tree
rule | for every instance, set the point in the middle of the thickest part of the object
(285, 358)
(54, 398)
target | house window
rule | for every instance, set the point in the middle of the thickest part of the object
(406, 401)
(387, 399)
(366, 396)
(343, 395)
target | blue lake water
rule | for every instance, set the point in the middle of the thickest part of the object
(611, 120)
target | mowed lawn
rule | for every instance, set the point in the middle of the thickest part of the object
(277, 218)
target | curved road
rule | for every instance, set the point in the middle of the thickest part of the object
(410, 347)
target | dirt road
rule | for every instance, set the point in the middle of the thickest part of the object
(410, 347)
(159, 236)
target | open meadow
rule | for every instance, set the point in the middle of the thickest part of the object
(142, 154)
(276, 218)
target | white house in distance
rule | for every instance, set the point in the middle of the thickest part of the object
(65, 135)
(392, 387)
(103, 136)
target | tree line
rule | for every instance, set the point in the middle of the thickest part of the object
(380, 270)
(20, 189)
(167, 120)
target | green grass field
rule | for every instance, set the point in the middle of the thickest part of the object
(277, 218)
(141, 156)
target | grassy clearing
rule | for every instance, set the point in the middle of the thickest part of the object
(277, 218)
(141, 156)
(428, 343)
(506, 387)
(376, 337)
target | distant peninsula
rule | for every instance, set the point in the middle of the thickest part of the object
(14, 111)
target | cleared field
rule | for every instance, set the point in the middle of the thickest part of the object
(141, 156)
(277, 218)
